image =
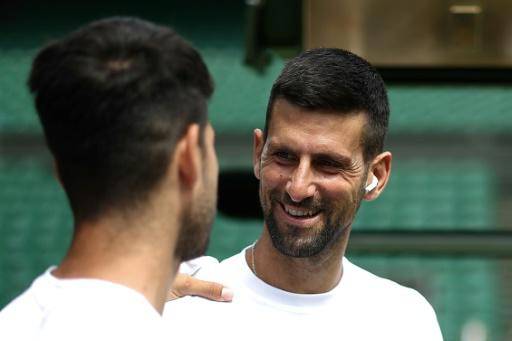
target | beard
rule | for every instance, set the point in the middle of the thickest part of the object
(291, 240)
(196, 224)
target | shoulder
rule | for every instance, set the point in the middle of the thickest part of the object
(208, 268)
(55, 309)
(191, 267)
(28, 308)
(393, 303)
(103, 321)
(21, 306)
(380, 289)
(226, 272)
(21, 317)
(105, 313)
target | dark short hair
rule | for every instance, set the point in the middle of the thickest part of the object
(330, 79)
(113, 98)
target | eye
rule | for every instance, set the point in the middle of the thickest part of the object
(284, 157)
(328, 166)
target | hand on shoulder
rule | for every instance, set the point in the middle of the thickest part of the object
(187, 285)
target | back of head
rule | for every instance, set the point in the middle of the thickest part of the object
(335, 80)
(113, 98)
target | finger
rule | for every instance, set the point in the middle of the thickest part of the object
(178, 287)
(185, 285)
(211, 290)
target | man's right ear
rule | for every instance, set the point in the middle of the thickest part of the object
(257, 149)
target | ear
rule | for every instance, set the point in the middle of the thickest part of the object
(257, 149)
(381, 169)
(187, 157)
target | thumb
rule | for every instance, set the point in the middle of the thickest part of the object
(185, 285)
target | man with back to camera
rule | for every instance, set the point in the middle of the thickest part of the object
(123, 105)
(320, 154)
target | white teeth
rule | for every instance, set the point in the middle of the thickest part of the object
(298, 213)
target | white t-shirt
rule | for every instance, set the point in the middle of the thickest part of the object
(361, 307)
(79, 309)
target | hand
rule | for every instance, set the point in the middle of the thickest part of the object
(185, 285)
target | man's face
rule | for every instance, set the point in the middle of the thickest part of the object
(198, 218)
(312, 177)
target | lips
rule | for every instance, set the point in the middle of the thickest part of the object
(299, 212)
(298, 216)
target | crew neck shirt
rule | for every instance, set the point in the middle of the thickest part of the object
(79, 309)
(362, 306)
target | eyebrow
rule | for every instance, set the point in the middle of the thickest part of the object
(342, 160)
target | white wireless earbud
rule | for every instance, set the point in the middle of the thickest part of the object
(372, 185)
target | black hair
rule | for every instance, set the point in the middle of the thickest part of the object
(335, 80)
(113, 98)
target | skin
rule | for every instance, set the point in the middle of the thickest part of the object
(136, 247)
(185, 285)
(310, 160)
(198, 217)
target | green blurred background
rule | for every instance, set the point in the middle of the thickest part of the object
(451, 144)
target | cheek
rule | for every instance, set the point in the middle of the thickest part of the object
(272, 178)
(339, 193)
(272, 185)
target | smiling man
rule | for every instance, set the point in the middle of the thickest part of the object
(320, 155)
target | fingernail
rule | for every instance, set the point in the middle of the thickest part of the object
(227, 294)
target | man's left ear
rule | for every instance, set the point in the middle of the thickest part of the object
(380, 169)
(187, 157)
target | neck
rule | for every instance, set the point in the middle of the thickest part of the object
(308, 275)
(137, 253)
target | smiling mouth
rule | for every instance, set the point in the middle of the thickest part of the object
(300, 213)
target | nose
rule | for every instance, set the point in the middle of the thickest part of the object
(300, 186)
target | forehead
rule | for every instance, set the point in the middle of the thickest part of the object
(315, 130)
